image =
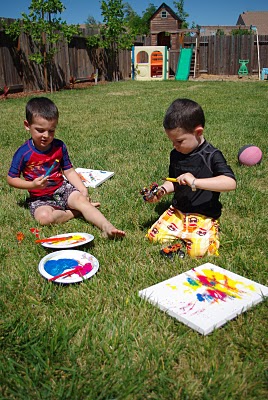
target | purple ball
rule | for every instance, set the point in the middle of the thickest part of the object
(249, 155)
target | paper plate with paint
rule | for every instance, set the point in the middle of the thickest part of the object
(66, 240)
(68, 266)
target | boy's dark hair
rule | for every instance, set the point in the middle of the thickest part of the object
(41, 107)
(185, 114)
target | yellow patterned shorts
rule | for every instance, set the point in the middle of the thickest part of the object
(200, 233)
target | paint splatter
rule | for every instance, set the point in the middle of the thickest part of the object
(35, 231)
(215, 286)
(173, 287)
(20, 237)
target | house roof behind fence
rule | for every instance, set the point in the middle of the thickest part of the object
(212, 30)
(255, 18)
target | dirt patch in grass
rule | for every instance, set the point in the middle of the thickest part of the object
(209, 77)
(77, 86)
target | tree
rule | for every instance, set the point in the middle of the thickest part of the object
(91, 21)
(146, 15)
(113, 33)
(132, 20)
(181, 13)
(46, 30)
(220, 32)
(138, 25)
(240, 32)
(92, 24)
(128, 11)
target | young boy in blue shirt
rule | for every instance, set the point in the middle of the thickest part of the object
(52, 199)
(201, 174)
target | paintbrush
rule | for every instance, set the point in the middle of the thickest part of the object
(51, 168)
(170, 179)
(60, 239)
(79, 269)
(67, 273)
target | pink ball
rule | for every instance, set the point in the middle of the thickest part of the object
(249, 155)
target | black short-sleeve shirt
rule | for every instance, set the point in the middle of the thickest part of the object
(204, 162)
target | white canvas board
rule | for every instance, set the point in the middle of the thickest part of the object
(93, 177)
(206, 297)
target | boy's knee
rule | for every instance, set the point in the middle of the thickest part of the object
(43, 217)
(78, 202)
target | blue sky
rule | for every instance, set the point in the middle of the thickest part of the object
(202, 12)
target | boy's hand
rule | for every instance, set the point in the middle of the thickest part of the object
(40, 182)
(158, 196)
(185, 179)
(154, 194)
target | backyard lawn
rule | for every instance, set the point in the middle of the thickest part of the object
(98, 339)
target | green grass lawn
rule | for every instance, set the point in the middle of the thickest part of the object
(98, 339)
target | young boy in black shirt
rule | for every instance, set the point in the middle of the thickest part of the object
(201, 174)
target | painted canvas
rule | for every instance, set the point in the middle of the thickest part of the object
(206, 297)
(93, 177)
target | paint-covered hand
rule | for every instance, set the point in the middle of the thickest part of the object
(153, 194)
(158, 196)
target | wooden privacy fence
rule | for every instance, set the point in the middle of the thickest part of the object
(74, 60)
(217, 55)
(220, 55)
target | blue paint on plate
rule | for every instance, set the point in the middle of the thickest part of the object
(56, 267)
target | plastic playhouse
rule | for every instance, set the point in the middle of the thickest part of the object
(149, 63)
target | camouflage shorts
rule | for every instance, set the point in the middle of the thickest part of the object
(59, 200)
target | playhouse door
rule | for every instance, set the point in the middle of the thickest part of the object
(163, 39)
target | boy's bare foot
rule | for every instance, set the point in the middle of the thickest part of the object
(111, 232)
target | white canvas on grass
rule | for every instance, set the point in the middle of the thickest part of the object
(206, 297)
(93, 177)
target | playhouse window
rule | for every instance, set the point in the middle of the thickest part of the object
(163, 14)
(157, 58)
(142, 57)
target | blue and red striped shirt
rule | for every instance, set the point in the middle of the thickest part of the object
(32, 163)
